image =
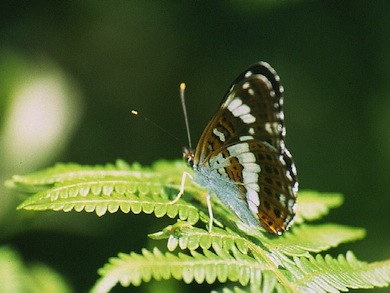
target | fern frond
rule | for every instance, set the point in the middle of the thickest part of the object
(327, 274)
(62, 172)
(103, 189)
(312, 274)
(312, 205)
(204, 267)
(186, 236)
(307, 239)
(105, 195)
(299, 242)
(235, 289)
(254, 260)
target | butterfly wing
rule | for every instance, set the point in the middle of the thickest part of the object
(247, 134)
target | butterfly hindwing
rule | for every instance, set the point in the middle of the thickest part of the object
(261, 180)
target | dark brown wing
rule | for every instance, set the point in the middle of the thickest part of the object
(244, 142)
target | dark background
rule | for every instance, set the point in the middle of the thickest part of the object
(333, 58)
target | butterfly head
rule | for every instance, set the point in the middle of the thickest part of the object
(188, 156)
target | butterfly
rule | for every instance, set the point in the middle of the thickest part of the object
(241, 155)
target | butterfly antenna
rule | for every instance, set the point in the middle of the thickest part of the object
(183, 104)
(136, 113)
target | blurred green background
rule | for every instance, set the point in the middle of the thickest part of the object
(71, 71)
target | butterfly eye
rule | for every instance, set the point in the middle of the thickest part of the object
(188, 156)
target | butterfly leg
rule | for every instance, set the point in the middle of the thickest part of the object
(181, 191)
(210, 208)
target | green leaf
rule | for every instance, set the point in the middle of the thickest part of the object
(327, 274)
(253, 260)
(308, 238)
(312, 205)
(16, 276)
(201, 267)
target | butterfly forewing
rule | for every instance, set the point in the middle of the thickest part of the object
(244, 114)
(244, 143)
